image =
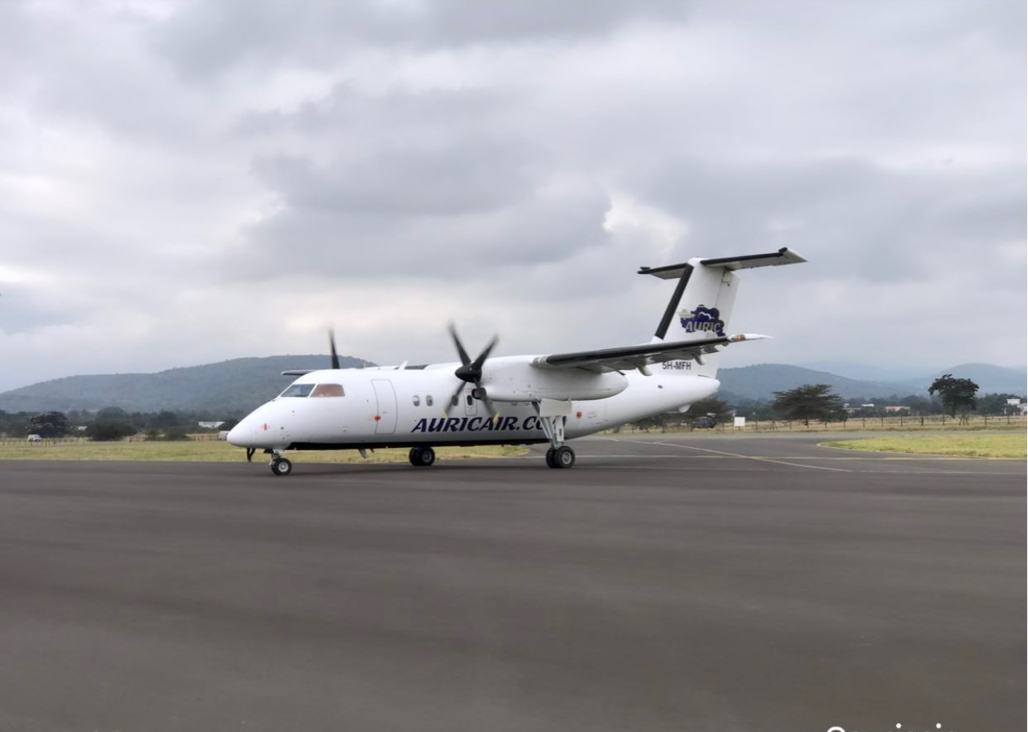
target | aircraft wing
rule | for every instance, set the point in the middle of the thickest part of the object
(635, 357)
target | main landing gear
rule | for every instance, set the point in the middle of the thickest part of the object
(422, 457)
(559, 455)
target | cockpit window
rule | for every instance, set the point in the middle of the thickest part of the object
(328, 390)
(298, 390)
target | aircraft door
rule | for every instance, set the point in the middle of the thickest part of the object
(470, 404)
(385, 397)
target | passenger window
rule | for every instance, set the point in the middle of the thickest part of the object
(417, 401)
(470, 400)
(298, 390)
(454, 401)
(327, 390)
(428, 400)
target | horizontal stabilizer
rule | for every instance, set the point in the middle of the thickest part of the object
(748, 261)
(298, 372)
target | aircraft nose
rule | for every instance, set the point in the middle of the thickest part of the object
(242, 434)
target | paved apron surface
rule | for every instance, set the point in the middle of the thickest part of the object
(665, 583)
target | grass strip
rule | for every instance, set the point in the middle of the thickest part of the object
(217, 452)
(979, 444)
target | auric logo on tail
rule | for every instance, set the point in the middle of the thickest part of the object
(702, 320)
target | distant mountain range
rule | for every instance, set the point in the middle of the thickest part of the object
(761, 381)
(238, 385)
(241, 384)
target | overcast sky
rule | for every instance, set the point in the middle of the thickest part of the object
(187, 182)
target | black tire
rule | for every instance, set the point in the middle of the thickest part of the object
(564, 457)
(281, 467)
(422, 457)
(549, 458)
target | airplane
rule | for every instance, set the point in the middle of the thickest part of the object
(513, 400)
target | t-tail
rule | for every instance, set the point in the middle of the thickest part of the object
(701, 305)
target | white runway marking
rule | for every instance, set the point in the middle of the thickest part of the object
(722, 456)
(858, 472)
(746, 457)
(711, 454)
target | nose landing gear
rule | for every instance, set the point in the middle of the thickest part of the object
(280, 465)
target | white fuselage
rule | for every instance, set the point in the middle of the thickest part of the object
(389, 407)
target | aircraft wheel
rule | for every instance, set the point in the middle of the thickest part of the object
(422, 457)
(413, 456)
(281, 466)
(549, 458)
(564, 457)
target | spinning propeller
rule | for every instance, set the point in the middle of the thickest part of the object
(332, 347)
(471, 372)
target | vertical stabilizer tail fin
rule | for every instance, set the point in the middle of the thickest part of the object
(704, 296)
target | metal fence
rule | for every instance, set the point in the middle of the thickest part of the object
(59, 441)
(899, 422)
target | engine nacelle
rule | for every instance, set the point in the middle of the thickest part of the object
(522, 383)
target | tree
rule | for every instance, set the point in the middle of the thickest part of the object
(807, 402)
(164, 420)
(955, 393)
(49, 424)
(109, 430)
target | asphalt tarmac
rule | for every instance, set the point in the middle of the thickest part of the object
(665, 583)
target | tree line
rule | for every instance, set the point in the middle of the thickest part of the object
(817, 403)
(809, 403)
(112, 423)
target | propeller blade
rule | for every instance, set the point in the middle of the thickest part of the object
(332, 346)
(477, 363)
(464, 359)
(471, 371)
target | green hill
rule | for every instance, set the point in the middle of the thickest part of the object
(761, 381)
(242, 384)
(238, 385)
(990, 379)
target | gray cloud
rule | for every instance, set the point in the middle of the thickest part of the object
(204, 38)
(852, 216)
(476, 176)
(320, 241)
(23, 310)
(179, 180)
